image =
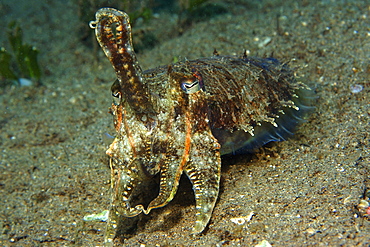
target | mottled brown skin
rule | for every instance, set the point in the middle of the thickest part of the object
(181, 118)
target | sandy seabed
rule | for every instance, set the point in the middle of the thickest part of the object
(301, 192)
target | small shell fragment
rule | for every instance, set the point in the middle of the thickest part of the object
(356, 88)
(103, 216)
(363, 204)
(264, 42)
(242, 220)
(263, 243)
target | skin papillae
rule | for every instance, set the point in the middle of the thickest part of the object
(181, 118)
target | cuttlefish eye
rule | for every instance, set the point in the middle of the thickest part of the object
(116, 92)
(190, 85)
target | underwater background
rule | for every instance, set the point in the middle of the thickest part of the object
(55, 126)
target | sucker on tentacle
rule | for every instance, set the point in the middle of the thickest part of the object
(181, 118)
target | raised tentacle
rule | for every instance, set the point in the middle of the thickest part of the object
(113, 32)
